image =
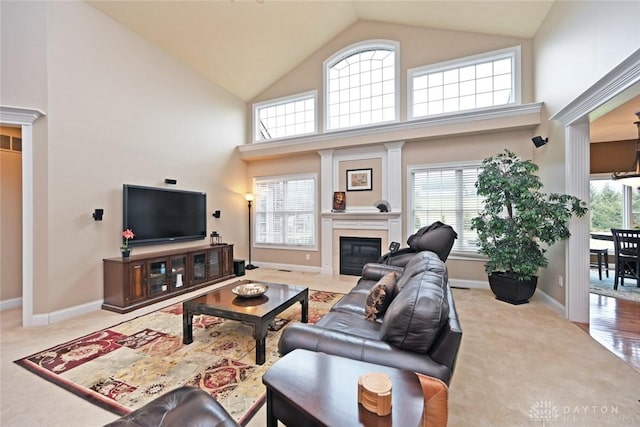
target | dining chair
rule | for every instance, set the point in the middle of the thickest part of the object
(602, 259)
(627, 255)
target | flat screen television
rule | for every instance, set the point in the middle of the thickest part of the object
(162, 215)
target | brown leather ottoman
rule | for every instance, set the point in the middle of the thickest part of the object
(182, 407)
(307, 388)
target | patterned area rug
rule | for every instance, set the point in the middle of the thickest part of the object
(125, 366)
(605, 287)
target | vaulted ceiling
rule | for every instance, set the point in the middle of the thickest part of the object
(246, 45)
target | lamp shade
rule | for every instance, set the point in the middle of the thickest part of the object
(632, 179)
(248, 197)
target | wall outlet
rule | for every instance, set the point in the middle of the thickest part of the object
(307, 257)
(560, 281)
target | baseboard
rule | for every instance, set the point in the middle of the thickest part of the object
(64, 314)
(9, 304)
(468, 284)
(552, 303)
(290, 267)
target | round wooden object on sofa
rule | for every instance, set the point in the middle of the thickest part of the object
(374, 393)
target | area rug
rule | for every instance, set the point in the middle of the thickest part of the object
(123, 367)
(605, 287)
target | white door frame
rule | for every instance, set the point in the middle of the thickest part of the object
(25, 117)
(576, 117)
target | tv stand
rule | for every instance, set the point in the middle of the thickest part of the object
(141, 280)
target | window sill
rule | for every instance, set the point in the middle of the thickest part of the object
(467, 256)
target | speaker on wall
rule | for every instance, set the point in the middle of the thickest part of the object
(97, 214)
(538, 141)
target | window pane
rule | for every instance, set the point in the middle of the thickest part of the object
(486, 83)
(502, 66)
(285, 211)
(606, 205)
(371, 73)
(287, 118)
(447, 195)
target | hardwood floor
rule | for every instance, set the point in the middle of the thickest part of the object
(615, 323)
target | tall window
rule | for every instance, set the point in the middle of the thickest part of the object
(474, 82)
(613, 205)
(445, 193)
(285, 117)
(285, 211)
(361, 85)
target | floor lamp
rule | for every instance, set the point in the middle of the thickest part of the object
(249, 197)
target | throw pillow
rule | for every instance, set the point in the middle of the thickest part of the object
(380, 296)
(436, 396)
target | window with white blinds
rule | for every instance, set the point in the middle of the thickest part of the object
(447, 194)
(285, 211)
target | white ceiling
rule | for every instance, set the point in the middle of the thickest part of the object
(614, 121)
(246, 45)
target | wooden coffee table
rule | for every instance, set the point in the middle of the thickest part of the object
(307, 388)
(258, 311)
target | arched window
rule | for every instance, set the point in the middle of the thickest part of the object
(361, 85)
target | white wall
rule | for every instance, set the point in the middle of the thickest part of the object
(578, 43)
(119, 111)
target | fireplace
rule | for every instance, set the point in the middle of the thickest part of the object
(355, 252)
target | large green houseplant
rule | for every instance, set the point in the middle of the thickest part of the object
(516, 220)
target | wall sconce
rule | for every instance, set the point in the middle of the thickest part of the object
(170, 181)
(216, 214)
(97, 214)
(538, 141)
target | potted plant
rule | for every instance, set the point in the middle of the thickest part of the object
(126, 234)
(516, 220)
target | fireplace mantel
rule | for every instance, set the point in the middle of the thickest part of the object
(364, 221)
(361, 215)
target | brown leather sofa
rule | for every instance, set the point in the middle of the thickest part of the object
(182, 407)
(419, 330)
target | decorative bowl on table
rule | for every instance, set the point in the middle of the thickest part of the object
(250, 290)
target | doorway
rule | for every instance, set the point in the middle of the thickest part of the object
(10, 225)
(619, 85)
(24, 118)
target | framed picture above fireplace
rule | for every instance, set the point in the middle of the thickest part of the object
(359, 179)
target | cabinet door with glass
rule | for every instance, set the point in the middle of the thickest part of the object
(178, 269)
(198, 267)
(158, 277)
(213, 263)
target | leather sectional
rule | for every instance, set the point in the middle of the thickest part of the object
(418, 331)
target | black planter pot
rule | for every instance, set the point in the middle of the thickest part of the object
(511, 290)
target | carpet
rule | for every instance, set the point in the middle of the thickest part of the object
(605, 287)
(123, 367)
